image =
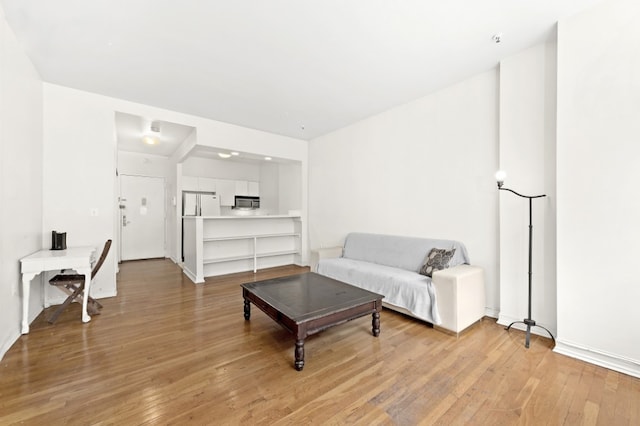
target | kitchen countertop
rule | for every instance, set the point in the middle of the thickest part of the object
(261, 216)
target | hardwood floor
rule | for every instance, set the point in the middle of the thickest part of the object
(166, 351)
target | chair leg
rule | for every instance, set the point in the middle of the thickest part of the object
(91, 302)
(95, 302)
(65, 304)
(92, 309)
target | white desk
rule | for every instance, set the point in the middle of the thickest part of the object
(76, 258)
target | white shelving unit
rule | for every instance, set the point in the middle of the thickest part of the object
(227, 244)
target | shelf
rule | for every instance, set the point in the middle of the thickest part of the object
(228, 259)
(242, 237)
(250, 237)
(252, 255)
(244, 217)
(293, 234)
(277, 253)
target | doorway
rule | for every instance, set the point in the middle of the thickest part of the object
(142, 217)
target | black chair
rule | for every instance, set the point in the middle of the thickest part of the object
(73, 285)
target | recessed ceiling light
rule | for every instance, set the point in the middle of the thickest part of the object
(224, 155)
(267, 158)
(150, 140)
(235, 153)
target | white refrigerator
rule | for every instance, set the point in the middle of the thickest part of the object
(196, 203)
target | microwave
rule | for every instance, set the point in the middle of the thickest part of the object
(245, 202)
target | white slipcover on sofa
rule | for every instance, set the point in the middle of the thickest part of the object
(452, 299)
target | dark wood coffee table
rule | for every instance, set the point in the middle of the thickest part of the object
(309, 303)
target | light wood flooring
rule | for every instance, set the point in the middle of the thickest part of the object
(166, 351)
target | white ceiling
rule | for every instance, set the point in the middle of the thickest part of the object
(292, 67)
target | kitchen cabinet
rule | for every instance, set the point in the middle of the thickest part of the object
(242, 187)
(197, 183)
(207, 184)
(226, 189)
(247, 188)
(253, 189)
(189, 183)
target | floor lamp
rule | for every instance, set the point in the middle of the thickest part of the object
(500, 177)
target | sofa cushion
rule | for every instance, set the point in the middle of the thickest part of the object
(399, 252)
(436, 260)
(409, 290)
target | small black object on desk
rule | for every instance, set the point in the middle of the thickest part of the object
(58, 240)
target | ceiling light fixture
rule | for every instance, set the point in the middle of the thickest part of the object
(223, 155)
(235, 153)
(267, 158)
(153, 137)
(150, 140)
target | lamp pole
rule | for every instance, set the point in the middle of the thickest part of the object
(529, 322)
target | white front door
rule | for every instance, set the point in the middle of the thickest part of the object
(142, 217)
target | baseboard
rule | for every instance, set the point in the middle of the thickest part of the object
(491, 313)
(191, 276)
(506, 320)
(457, 334)
(9, 341)
(603, 359)
(104, 295)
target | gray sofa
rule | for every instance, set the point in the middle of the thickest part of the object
(452, 299)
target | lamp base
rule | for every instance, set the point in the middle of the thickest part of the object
(530, 323)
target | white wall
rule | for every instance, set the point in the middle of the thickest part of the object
(270, 187)
(527, 153)
(79, 127)
(422, 169)
(598, 176)
(138, 164)
(290, 188)
(20, 181)
(281, 187)
(80, 175)
(220, 169)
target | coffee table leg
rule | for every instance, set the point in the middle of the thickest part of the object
(375, 324)
(299, 352)
(247, 309)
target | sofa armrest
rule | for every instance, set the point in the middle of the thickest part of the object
(323, 253)
(460, 296)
